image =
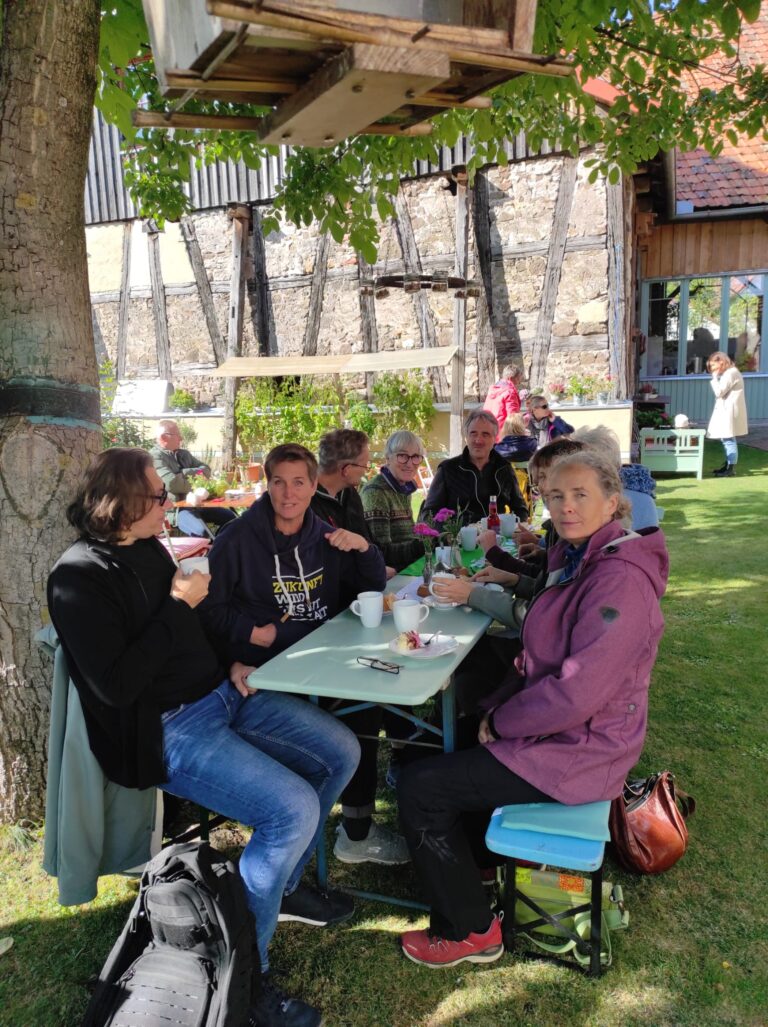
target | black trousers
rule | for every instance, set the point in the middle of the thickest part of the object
(435, 795)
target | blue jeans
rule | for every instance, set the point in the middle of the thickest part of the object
(271, 761)
(731, 450)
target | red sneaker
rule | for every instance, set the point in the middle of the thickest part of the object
(430, 950)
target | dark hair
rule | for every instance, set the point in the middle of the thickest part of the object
(113, 495)
(290, 452)
(340, 446)
(559, 447)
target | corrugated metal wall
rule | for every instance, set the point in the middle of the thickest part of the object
(692, 395)
(107, 199)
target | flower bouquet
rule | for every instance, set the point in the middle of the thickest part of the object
(443, 525)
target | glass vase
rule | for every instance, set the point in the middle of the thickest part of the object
(429, 566)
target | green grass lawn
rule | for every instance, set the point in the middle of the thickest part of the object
(697, 949)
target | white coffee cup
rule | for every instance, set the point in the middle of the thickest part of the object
(369, 607)
(194, 563)
(483, 524)
(408, 614)
(440, 577)
(468, 537)
(508, 524)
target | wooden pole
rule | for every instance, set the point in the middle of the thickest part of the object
(125, 295)
(258, 287)
(159, 311)
(204, 289)
(240, 215)
(368, 328)
(459, 313)
(316, 295)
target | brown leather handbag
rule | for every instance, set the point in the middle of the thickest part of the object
(647, 824)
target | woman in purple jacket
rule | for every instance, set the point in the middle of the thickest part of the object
(569, 721)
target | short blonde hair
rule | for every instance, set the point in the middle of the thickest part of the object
(608, 478)
(722, 357)
(515, 425)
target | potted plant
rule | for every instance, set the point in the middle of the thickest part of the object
(182, 401)
(557, 391)
(603, 388)
(648, 391)
(581, 388)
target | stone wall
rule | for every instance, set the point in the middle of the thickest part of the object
(522, 199)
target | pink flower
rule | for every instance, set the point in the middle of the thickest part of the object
(424, 529)
(442, 515)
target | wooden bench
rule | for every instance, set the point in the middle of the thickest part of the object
(675, 451)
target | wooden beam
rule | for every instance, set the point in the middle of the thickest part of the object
(157, 119)
(459, 315)
(258, 288)
(482, 103)
(621, 347)
(412, 265)
(485, 321)
(125, 296)
(316, 296)
(240, 216)
(424, 128)
(204, 289)
(180, 78)
(352, 91)
(485, 47)
(159, 312)
(557, 241)
(369, 331)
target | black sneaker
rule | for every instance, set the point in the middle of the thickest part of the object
(310, 906)
(273, 1008)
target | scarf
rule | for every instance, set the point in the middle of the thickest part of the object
(406, 488)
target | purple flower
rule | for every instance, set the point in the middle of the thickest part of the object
(442, 515)
(424, 529)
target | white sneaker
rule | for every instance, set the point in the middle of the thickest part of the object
(381, 846)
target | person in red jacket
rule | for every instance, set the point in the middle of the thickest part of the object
(503, 398)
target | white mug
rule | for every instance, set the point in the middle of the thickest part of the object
(194, 563)
(440, 577)
(369, 607)
(408, 614)
(483, 524)
(468, 537)
(508, 524)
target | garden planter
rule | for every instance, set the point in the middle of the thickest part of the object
(253, 472)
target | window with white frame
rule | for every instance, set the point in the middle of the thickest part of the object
(686, 319)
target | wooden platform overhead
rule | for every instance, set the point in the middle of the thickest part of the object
(328, 70)
(344, 363)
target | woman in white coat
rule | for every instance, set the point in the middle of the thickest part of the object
(729, 418)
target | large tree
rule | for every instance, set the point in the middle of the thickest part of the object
(50, 63)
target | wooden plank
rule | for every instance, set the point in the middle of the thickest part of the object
(485, 320)
(203, 289)
(159, 312)
(557, 240)
(316, 295)
(125, 296)
(707, 245)
(157, 119)
(369, 331)
(180, 78)
(352, 91)
(258, 288)
(240, 216)
(422, 310)
(459, 315)
(617, 285)
(349, 363)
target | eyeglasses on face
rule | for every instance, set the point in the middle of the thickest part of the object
(363, 467)
(374, 664)
(409, 458)
(161, 497)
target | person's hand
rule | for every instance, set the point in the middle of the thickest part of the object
(238, 674)
(521, 536)
(190, 588)
(497, 576)
(487, 540)
(484, 733)
(347, 541)
(453, 590)
(391, 572)
(263, 636)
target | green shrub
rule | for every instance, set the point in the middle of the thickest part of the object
(117, 431)
(180, 399)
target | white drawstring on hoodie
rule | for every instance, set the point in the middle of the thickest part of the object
(281, 583)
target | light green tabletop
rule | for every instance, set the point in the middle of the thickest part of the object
(325, 662)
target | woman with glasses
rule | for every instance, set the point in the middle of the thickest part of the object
(387, 500)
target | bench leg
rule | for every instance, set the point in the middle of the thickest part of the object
(508, 904)
(596, 922)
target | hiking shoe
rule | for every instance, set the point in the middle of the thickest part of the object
(321, 909)
(273, 1008)
(431, 950)
(381, 846)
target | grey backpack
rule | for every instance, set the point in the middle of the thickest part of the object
(185, 956)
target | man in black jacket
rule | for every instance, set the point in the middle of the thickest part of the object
(468, 481)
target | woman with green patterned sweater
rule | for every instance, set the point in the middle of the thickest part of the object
(387, 500)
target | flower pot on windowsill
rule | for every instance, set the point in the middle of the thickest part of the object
(577, 401)
(603, 398)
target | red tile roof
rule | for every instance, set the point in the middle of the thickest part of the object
(739, 176)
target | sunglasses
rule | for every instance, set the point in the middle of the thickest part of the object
(374, 664)
(161, 497)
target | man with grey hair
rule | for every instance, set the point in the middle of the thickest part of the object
(468, 481)
(503, 398)
(175, 465)
(343, 458)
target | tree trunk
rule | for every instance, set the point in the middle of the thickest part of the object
(49, 402)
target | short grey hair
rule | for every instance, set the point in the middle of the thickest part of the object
(479, 414)
(608, 476)
(338, 447)
(600, 439)
(398, 439)
(513, 371)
